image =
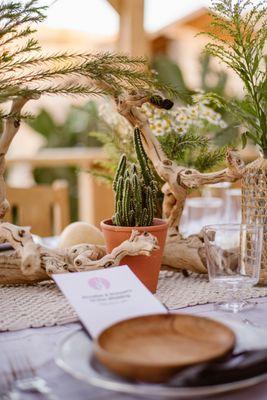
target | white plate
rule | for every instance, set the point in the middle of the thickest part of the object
(75, 357)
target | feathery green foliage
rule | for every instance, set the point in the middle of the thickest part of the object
(209, 158)
(26, 71)
(192, 150)
(238, 36)
(135, 189)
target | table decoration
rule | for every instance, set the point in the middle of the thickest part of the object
(80, 232)
(200, 211)
(25, 74)
(244, 24)
(167, 134)
(102, 298)
(77, 349)
(254, 203)
(42, 304)
(186, 253)
(31, 262)
(135, 204)
(153, 348)
(234, 260)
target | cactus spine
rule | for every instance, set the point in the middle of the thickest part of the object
(135, 189)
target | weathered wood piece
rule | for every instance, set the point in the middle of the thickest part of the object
(11, 126)
(31, 262)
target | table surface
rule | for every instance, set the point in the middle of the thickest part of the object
(40, 345)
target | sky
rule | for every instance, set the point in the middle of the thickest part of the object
(98, 18)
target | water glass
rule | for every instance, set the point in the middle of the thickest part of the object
(202, 211)
(233, 259)
(216, 190)
(233, 205)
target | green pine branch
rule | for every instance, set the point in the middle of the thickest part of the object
(207, 160)
(176, 146)
(26, 71)
(238, 35)
(192, 150)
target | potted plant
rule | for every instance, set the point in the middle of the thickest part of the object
(135, 204)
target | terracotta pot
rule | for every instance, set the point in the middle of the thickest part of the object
(145, 268)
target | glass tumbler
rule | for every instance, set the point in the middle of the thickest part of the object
(233, 259)
(233, 206)
(202, 211)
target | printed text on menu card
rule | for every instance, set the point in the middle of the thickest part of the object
(107, 296)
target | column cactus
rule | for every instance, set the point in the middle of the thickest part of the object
(135, 189)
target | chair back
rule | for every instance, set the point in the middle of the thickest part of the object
(42, 207)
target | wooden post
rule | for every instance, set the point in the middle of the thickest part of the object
(62, 206)
(96, 201)
(132, 36)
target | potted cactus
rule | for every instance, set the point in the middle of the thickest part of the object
(135, 204)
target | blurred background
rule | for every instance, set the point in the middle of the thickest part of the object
(57, 144)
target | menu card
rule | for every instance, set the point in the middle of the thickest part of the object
(104, 297)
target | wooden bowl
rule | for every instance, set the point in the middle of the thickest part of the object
(154, 347)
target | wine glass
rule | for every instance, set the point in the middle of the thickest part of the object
(233, 259)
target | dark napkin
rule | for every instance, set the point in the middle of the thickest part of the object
(237, 367)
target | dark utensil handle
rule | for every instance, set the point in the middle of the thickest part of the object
(5, 247)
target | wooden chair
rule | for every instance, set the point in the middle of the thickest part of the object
(45, 208)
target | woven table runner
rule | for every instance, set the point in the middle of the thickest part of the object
(25, 306)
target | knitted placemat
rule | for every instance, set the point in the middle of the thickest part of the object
(25, 306)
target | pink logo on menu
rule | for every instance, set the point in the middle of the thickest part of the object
(98, 283)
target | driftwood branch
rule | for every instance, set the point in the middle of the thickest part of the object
(137, 244)
(10, 128)
(182, 253)
(31, 262)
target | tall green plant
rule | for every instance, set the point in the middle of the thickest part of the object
(238, 35)
(136, 190)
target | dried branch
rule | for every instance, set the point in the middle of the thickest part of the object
(31, 262)
(11, 127)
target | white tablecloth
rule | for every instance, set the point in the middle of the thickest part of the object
(40, 346)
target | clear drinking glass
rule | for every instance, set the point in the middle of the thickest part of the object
(233, 206)
(201, 211)
(233, 259)
(216, 190)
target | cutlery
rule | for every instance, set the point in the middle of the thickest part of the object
(25, 378)
(254, 324)
(6, 390)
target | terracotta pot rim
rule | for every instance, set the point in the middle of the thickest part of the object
(158, 224)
